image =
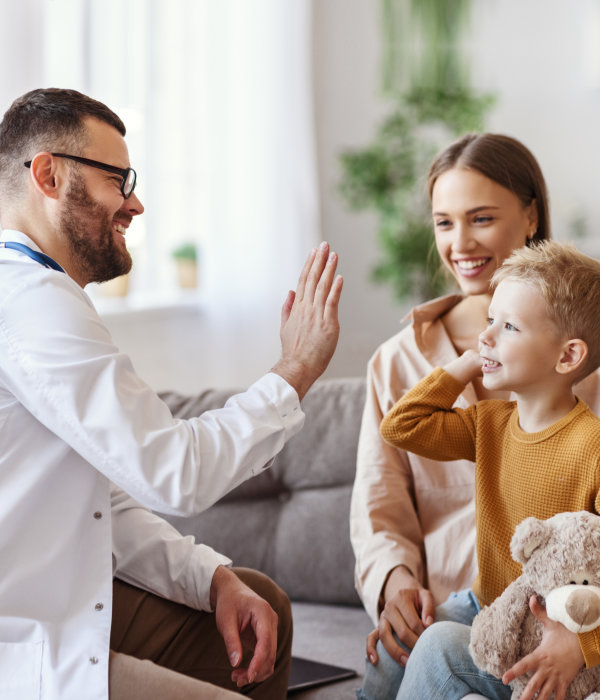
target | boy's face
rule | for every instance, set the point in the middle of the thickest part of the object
(521, 346)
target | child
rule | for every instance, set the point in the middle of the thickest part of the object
(536, 456)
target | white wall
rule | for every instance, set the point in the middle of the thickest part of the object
(541, 56)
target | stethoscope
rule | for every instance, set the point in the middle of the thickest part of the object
(42, 258)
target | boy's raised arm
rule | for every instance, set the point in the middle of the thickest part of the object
(425, 421)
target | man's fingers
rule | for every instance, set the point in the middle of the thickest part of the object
(316, 271)
(263, 660)
(300, 287)
(326, 280)
(231, 637)
(286, 309)
(333, 300)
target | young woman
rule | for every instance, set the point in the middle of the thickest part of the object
(412, 519)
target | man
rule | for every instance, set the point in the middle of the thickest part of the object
(82, 437)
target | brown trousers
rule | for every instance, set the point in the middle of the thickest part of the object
(162, 650)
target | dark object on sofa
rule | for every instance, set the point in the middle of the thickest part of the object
(292, 523)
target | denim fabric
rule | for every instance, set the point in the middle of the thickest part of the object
(440, 668)
(383, 681)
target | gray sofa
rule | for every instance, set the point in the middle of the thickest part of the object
(291, 522)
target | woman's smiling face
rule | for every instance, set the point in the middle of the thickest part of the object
(477, 224)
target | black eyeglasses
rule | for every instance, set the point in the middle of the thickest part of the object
(128, 174)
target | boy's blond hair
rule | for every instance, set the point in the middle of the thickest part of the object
(569, 283)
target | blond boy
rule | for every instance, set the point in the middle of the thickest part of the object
(535, 456)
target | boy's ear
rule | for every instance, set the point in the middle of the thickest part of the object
(573, 356)
(43, 174)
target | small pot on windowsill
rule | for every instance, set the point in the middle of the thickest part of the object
(186, 261)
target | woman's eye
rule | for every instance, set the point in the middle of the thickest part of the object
(483, 219)
(442, 223)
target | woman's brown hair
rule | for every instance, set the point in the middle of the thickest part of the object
(503, 160)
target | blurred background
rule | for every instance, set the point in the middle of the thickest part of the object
(259, 128)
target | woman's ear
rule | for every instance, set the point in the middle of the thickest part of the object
(532, 215)
(573, 356)
(43, 174)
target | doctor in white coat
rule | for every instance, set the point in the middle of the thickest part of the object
(99, 597)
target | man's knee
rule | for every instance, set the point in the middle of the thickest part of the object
(277, 598)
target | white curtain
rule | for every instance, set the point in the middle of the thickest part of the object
(217, 98)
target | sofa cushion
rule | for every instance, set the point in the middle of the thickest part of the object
(292, 521)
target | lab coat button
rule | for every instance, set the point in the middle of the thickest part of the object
(97, 515)
(93, 660)
(99, 606)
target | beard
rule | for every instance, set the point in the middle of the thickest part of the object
(87, 226)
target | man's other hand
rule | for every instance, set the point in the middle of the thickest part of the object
(309, 321)
(245, 621)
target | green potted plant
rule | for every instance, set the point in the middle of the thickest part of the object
(186, 260)
(431, 104)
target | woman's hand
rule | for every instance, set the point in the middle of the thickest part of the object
(406, 614)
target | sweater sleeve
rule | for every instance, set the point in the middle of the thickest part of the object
(424, 420)
(590, 646)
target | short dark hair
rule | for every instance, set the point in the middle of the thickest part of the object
(504, 160)
(49, 119)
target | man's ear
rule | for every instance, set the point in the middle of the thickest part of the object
(573, 356)
(43, 174)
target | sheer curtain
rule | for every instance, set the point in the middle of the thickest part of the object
(217, 98)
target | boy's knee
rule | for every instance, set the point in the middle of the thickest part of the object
(442, 639)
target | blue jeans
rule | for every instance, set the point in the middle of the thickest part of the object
(440, 666)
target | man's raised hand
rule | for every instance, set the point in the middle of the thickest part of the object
(309, 321)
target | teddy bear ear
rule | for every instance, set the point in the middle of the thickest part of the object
(530, 534)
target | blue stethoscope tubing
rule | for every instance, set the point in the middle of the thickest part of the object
(42, 258)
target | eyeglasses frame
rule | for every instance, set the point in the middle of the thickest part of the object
(123, 172)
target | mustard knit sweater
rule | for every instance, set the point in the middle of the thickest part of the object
(517, 474)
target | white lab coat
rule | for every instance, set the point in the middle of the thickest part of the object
(78, 429)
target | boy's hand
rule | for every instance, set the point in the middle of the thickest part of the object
(553, 664)
(466, 367)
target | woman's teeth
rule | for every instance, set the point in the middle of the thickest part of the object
(470, 264)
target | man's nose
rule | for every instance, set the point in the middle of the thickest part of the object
(133, 205)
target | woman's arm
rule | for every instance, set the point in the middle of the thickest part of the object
(385, 529)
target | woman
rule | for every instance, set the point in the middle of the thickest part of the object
(412, 519)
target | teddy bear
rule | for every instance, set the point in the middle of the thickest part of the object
(560, 560)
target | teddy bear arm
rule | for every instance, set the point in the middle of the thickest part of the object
(497, 630)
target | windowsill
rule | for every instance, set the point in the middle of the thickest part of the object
(146, 303)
